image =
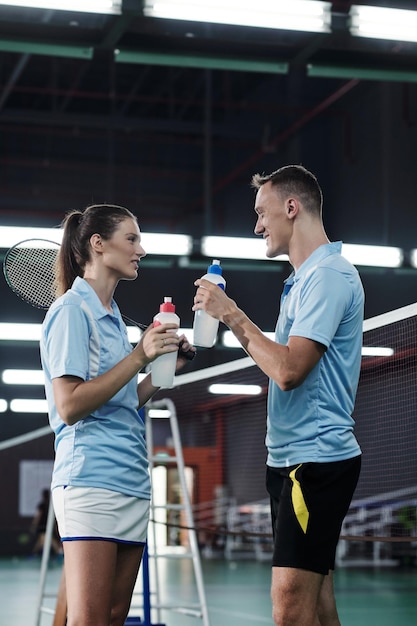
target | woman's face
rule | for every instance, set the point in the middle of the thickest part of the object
(123, 251)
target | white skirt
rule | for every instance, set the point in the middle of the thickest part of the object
(84, 513)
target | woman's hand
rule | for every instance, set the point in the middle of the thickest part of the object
(158, 340)
(186, 352)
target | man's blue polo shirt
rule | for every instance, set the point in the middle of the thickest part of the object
(106, 449)
(323, 301)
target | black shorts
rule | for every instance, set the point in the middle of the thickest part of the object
(308, 504)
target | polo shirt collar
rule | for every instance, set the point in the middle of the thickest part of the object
(320, 253)
(84, 289)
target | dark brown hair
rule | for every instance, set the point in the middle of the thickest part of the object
(297, 181)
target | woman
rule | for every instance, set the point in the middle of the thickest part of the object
(100, 484)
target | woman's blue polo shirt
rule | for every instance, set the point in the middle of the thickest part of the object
(106, 449)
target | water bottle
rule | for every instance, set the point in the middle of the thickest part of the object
(205, 327)
(163, 368)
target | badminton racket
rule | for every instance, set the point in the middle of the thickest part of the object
(29, 270)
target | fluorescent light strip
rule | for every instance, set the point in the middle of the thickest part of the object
(413, 258)
(19, 332)
(83, 6)
(32, 332)
(10, 235)
(3, 405)
(300, 15)
(167, 244)
(377, 351)
(159, 413)
(23, 377)
(373, 256)
(229, 341)
(248, 248)
(225, 389)
(28, 406)
(154, 243)
(383, 23)
(221, 247)
(135, 333)
(236, 248)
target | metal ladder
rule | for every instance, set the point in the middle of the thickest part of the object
(59, 612)
(198, 610)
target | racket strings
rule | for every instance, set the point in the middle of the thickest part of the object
(30, 273)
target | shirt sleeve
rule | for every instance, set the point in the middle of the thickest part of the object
(324, 299)
(67, 342)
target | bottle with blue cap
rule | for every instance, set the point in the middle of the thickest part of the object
(205, 327)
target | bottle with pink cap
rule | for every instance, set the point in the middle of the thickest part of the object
(163, 368)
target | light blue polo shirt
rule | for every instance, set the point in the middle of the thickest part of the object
(323, 301)
(106, 449)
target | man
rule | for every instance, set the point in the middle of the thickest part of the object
(313, 459)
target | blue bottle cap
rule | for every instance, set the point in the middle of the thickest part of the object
(215, 268)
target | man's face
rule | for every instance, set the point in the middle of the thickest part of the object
(273, 222)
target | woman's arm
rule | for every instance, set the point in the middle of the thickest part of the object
(75, 398)
(186, 353)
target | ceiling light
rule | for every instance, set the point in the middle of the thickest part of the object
(383, 23)
(154, 243)
(32, 332)
(167, 244)
(373, 256)
(413, 257)
(10, 235)
(301, 15)
(236, 390)
(377, 351)
(83, 6)
(23, 377)
(19, 332)
(134, 334)
(236, 248)
(253, 248)
(229, 340)
(159, 413)
(28, 406)
(3, 405)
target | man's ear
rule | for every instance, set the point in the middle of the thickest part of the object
(292, 208)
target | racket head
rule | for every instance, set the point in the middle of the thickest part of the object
(29, 270)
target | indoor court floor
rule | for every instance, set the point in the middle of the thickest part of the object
(237, 593)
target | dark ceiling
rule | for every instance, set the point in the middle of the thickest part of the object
(164, 135)
(176, 133)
